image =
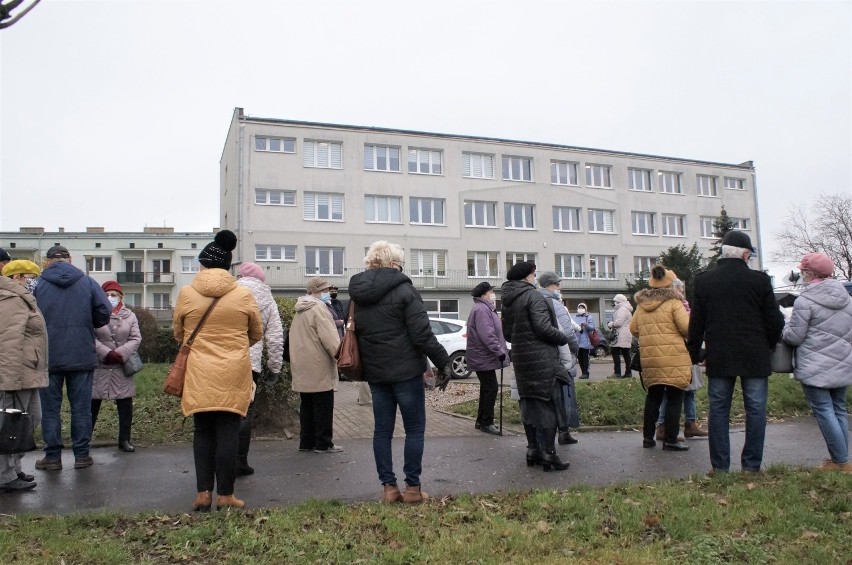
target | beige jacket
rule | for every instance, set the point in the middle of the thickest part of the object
(23, 339)
(313, 344)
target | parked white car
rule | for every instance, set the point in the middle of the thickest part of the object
(452, 334)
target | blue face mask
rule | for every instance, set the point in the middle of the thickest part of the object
(325, 297)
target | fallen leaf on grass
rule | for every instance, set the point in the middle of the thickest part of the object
(543, 527)
(751, 486)
(808, 534)
(720, 500)
(652, 521)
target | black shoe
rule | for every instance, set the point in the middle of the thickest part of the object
(649, 443)
(552, 461)
(477, 425)
(584, 376)
(83, 462)
(566, 439)
(25, 477)
(675, 446)
(244, 469)
(534, 456)
(491, 429)
(627, 376)
(126, 446)
(17, 485)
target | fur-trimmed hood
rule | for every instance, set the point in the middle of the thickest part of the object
(649, 299)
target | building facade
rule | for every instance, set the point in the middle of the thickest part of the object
(307, 199)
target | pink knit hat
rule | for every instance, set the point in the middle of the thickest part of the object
(252, 270)
(818, 263)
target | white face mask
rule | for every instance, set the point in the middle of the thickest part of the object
(114, 300)
(558, 294)
(581, 310)
(491, 297)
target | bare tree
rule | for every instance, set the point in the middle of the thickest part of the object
(826, 228)
(6, 18)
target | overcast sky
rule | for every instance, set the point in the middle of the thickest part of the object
(114, 113)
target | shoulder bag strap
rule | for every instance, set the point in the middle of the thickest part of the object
(350, 321)
(201, 323)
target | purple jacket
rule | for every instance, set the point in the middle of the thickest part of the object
(485, 341)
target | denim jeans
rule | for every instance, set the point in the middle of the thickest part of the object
(688, 407)
(829, 408)
(410, 396)
(79, 385)
(720, 391)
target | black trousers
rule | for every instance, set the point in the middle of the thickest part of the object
(487, 397)
(316, 419)
(214, 445)
(619, 353)
(245, 426)
(583, 359)
(124, 406)
(674, 401)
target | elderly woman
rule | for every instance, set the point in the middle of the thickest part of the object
(114, 344)
(624, 339)
(395, 337)
(661, 323)
(587, 325)
(23, 349)
(820, 326)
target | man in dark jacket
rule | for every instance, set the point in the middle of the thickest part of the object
(530, 325)
(73, 305)
(735, 316)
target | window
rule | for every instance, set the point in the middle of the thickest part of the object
(519, 216)
(673, 225)
(569, 266)
(427, 263)
(323, 261)
(189, 264)
(383, 209)
(563, 172)
(99, 264)
(601, 221)
(566, 218)
(602, 266)
(639, 179)
(444, 308)
(670, 183)
(482, 264)
(513, 257)
(426, 211)
(480, 214)
(478, 165)
(643, 265)
(323, 154)
(323, 206)
(275, 144)
(643, 223)
(707, 186)
(517, 168)
(265, 197)
(263, 252)
(741, 223)
(381, 158)
(707, 229)
(734, 184)
(425, 161)
(133, 299)
(162, 301)
(597, 176)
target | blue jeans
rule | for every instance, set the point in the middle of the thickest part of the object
(829, 408)
(720, 391)
(688, 407)
(410, 396)
(79, 385)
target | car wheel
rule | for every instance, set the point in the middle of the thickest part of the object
(458, 363)
(601, 351)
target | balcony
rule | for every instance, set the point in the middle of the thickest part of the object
(145, 278)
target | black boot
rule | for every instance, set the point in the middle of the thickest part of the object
(534, 454)
(126, 446)
(243, 468)
(552, 461)
(565, 438)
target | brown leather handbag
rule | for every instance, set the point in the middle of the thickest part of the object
(177, 372)
(348, 354)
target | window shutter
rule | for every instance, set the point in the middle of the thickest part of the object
(441, 263)
(437, 165)
(487, 166)
(322, 154)
(466, 158)
(412, 160)
(336, 206)
(310, 205)
(369, 151)
(608, 221)
(336, 161)
(310, 150)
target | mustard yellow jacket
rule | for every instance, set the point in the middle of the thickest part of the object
(218, 371)
(661, 322)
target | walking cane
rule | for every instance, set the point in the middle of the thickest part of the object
(501, 399)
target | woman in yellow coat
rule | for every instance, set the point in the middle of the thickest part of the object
(661, 322)
(218, 385)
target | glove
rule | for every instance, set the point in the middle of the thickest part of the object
(576, 326)
(272, 378)
(113, 358)
(502, 357)
(442, 377)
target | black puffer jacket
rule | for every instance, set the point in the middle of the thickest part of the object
(530, 325)
(392, 326)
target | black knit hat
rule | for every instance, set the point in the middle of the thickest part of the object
(480, 289)
(217, 253)
(520, 270)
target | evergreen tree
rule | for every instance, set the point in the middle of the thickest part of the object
(721, 225)
(684, 261)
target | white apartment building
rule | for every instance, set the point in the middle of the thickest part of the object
(307, 199)
(151, 265)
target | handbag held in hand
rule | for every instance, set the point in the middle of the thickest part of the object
(16, 428)
(348, 354)
(177, 372)
(133, 365)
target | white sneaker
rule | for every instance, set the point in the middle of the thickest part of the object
(332, 449)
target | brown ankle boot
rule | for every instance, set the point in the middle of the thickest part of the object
(692, 429)
(661, 434)
(413, 495)
(203, 501)
(391, 494)
(229, 501)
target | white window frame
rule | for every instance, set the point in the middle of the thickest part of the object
(599, 220)
(189, 264)
(643, 223)
(670, 182)
(673, 225)
(513, 257)
(372, 157)
(598, 176)
(483, 264)
(643, 265)
(708, 186)
(442, 307)
(316, 201)
(742, 224)
(317, 255)
(162, 301)
(267, 252)
(527, 216)
(569, 213)
(569, 265)
(517, 168)
(376, 205)
(99, 264)
(273, 197)
(268, 142)
(427, 263)
(707, 229)
(639, 180)
(477, 165)
(733, 183)
(431, 159)
(478, 208)
(320, 154)
(609, 266)
(416, 206)
(564, 173)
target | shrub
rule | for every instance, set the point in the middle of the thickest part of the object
(149, 329)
